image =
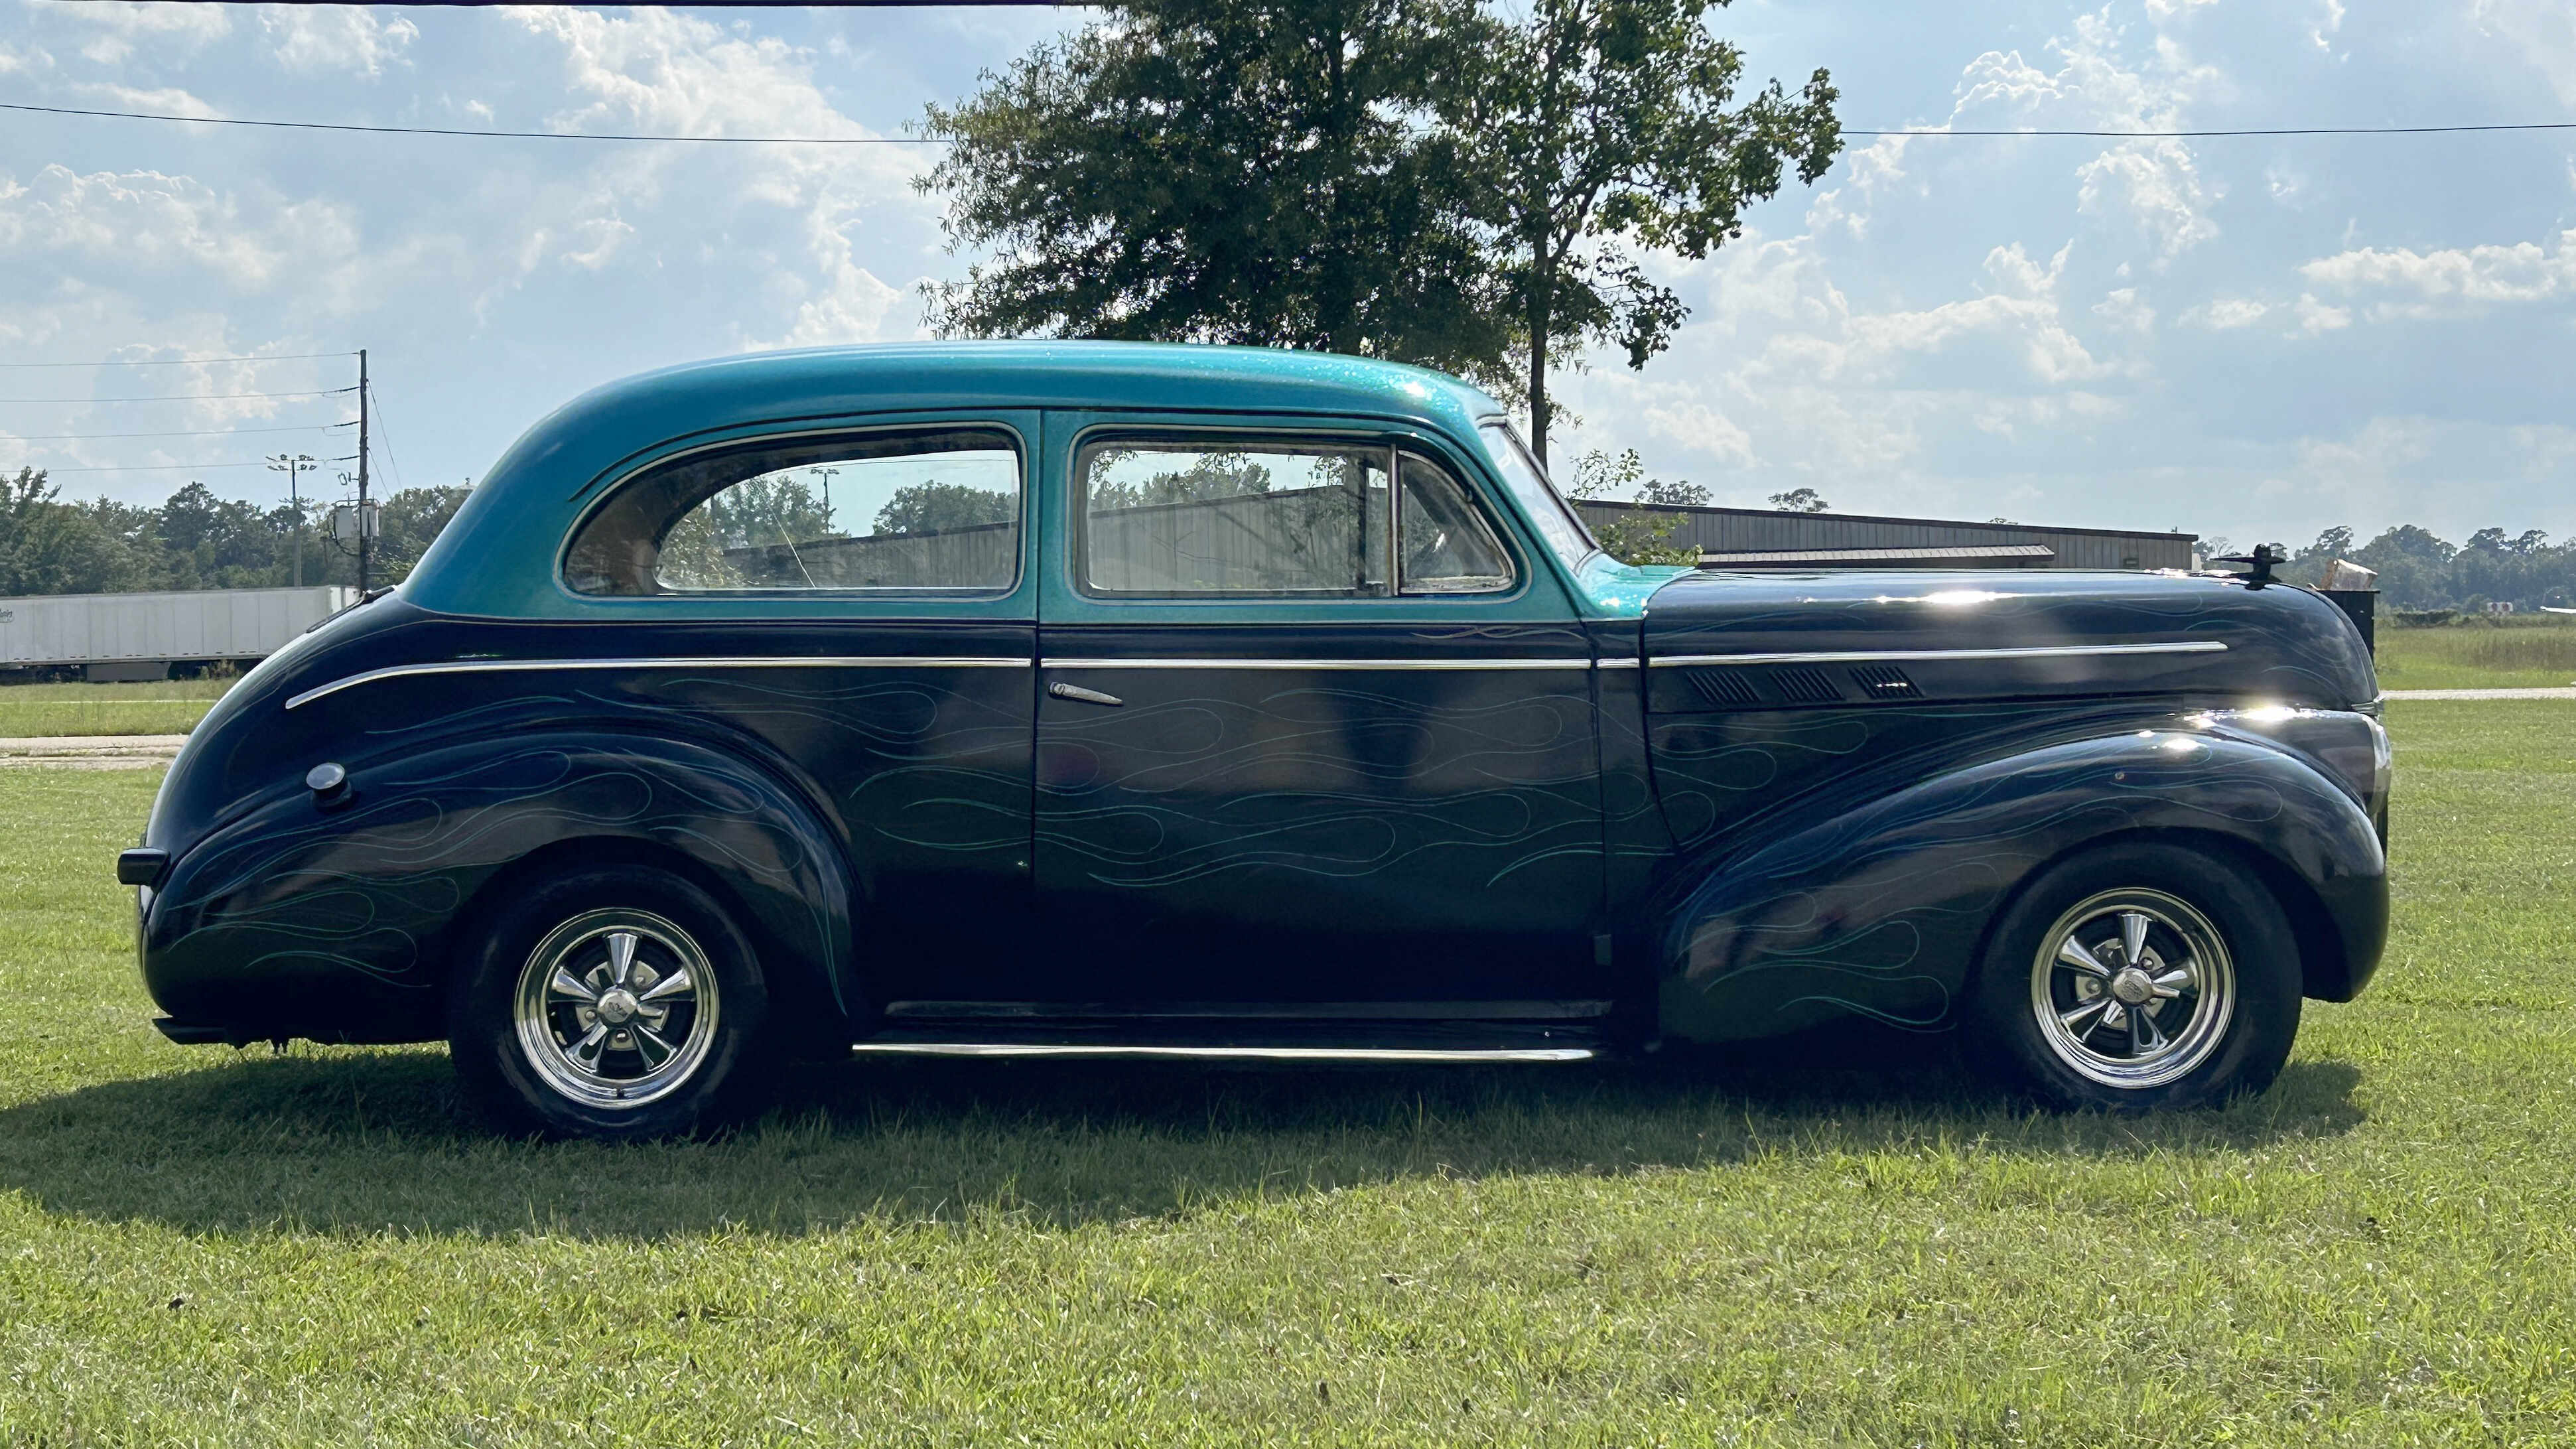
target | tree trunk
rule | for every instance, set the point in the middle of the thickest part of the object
(1539, 315)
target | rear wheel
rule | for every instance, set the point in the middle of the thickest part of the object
(620, 1002)
(2141, 976)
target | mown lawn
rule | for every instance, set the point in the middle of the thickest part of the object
(2521, 653)
(171, 707)
(210, 1248)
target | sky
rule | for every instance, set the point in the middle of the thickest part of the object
(2257, 338)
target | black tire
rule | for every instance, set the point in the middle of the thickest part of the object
(503, 1015)
(2218, 972)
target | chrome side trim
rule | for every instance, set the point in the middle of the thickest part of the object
(1895, 656)
(1614, 663)
(745, 661)
(1408, 1011)
(1343, 664)
(1407, 1055)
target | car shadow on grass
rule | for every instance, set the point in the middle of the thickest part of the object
(358, 1140)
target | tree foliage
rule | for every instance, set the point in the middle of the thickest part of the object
(2418, 569)
(1421, 180)
(193, 540)
(1639, 537)
(1254, 173)
(1596, 130)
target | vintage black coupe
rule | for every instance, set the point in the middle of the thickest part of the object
(1103, 698)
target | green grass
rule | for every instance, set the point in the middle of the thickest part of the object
(214, 1248)
(2478, 654)
(171, 707)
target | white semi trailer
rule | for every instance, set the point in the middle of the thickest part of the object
(140, 636)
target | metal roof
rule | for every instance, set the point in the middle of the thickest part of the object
(1758, 558)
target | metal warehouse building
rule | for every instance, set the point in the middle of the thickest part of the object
(1746, 538)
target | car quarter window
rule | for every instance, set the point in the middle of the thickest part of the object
(1167, 517)
(1227, 517)
(918, 510)
(1444, 544)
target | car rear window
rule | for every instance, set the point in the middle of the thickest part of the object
(934, 510)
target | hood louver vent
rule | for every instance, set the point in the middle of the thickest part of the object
(1802, 686)
(1723, 687)
(1884, 681)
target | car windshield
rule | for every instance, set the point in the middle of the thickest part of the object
(1548, 512)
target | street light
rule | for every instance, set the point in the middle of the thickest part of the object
(293, 465)
(826, 474)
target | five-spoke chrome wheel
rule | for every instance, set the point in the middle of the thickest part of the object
(616, 1008)
(2133, 988)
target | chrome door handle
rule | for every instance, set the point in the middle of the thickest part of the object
(1062, 690)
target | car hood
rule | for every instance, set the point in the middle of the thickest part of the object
(1749, 638)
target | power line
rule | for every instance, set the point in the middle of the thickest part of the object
(379, 405)
(491, 135)
(181, 361)
(944, 141)
(2267, 131)
(182, 433)
(165, 467)
(180, 396)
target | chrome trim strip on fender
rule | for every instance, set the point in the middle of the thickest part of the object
(748, 661)
(1897, 656)
(1614, 663)
(1406, 1055)
(1388, 664)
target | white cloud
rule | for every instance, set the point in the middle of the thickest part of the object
(2315, 316)
(2541, 33)
(2225, 314)
(2450, 281)
(316, 38)
(1702, 429)
(2124, 309)
(116, 29)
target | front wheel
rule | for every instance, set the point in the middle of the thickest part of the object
(619, 1002)
(2140, 976)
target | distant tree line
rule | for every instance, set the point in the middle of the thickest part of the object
(2420, 570)
(193, 540)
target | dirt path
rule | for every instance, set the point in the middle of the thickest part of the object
(91, 752)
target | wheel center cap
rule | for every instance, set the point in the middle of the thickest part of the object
(2129, 984)
(619, 1006)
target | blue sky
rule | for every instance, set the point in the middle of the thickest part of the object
(2249, 337)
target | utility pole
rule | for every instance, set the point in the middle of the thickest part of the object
(826, 474)
(292, 465)
(365, 541)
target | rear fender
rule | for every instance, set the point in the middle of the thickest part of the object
(346, 919)
(1881, 911)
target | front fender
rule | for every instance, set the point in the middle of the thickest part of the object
(1882, 910)
(340, 922)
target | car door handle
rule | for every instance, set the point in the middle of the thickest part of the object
(1062, 690)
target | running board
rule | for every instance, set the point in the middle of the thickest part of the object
(1404, 1056)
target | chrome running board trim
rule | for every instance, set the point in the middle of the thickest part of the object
(1317, 664)
(734, 661)
(1393, 1055)
(1902, 656)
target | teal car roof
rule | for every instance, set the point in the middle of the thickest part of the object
(504, 540)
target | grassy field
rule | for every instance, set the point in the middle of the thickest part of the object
(2479, 655)
(172, 707)
(204, 1247)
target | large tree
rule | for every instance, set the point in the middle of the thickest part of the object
(1266, 172)
(1601, 130)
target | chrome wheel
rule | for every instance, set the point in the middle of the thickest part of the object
(2133, 988)
(616, 1008)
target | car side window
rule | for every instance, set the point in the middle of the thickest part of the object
(917, 510)
(1445, 545)
(1166, 517)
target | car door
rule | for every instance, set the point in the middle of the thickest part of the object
(855, 598)
(1305, 737)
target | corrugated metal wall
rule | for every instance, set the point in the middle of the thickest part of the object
(1749, 530)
